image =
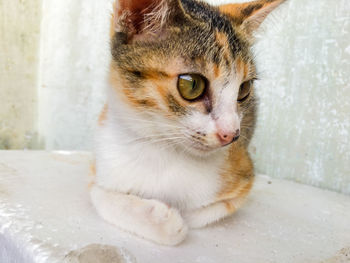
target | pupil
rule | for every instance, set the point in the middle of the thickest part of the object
(194, 84)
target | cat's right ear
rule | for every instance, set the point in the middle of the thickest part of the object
(142, 19)
(249, 16)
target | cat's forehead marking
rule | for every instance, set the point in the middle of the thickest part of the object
(217, 21)
(241, 67)
(216, 70)
(224, 49)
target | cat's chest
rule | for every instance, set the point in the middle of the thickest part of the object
(148, 172)
(180, 183)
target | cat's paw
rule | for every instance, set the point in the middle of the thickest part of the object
(166, 225)
(150, 219)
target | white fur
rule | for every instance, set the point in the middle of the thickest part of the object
(207, 215)
(150, 219)
(149, 171)
(139, 161)
(131, 176)
(204, 216)
(157, 173)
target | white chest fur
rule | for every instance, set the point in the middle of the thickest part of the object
(151, 172)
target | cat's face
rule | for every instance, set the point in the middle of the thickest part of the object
(185, 76)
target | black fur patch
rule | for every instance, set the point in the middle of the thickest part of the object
(250, 9)
(175, 106)
(208, 14)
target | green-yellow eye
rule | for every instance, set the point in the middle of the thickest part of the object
(191, 86)
(244, 91)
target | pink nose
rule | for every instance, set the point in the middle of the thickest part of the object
(227, 137)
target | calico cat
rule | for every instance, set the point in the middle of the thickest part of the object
(171, 146)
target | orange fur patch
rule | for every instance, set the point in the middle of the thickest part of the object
(224, 43)
(254, 12)
(162, 91)
(238, 175)
(238, 10)
(155, 75)
(147, 103)
(222, 39)
(159, 82)
(230, 207)
(231, 9)
(242, 67)
(216, 71)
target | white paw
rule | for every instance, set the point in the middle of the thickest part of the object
(158, 212)
(165, 224)
(150, 219)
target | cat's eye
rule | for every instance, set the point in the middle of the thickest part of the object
(244, 91)
(191, 86)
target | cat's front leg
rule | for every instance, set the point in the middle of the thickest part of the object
(150, 219)
(215, 212)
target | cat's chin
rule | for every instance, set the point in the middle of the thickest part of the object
(198, 150)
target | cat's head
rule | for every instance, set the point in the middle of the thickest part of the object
(183, 71)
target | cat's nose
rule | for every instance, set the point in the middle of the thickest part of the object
(226, 138)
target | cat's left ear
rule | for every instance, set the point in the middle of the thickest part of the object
(142, 19)
(249, 16)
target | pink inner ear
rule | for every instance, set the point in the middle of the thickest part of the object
(137, 8)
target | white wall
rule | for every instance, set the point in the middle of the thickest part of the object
(74, 64)
(19, 57)
(303, 56)
(304, 122)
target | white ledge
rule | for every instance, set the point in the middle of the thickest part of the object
(46, 216)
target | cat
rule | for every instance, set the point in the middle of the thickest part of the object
(171, 144)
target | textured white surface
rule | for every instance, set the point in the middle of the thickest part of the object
(45, 213)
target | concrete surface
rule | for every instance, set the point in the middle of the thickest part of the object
(46, 216)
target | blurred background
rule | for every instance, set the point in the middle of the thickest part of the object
(54, 57)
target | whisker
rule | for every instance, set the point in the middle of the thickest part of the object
(150, 137)
(148, 121)
(158, 140)
(173, 144)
